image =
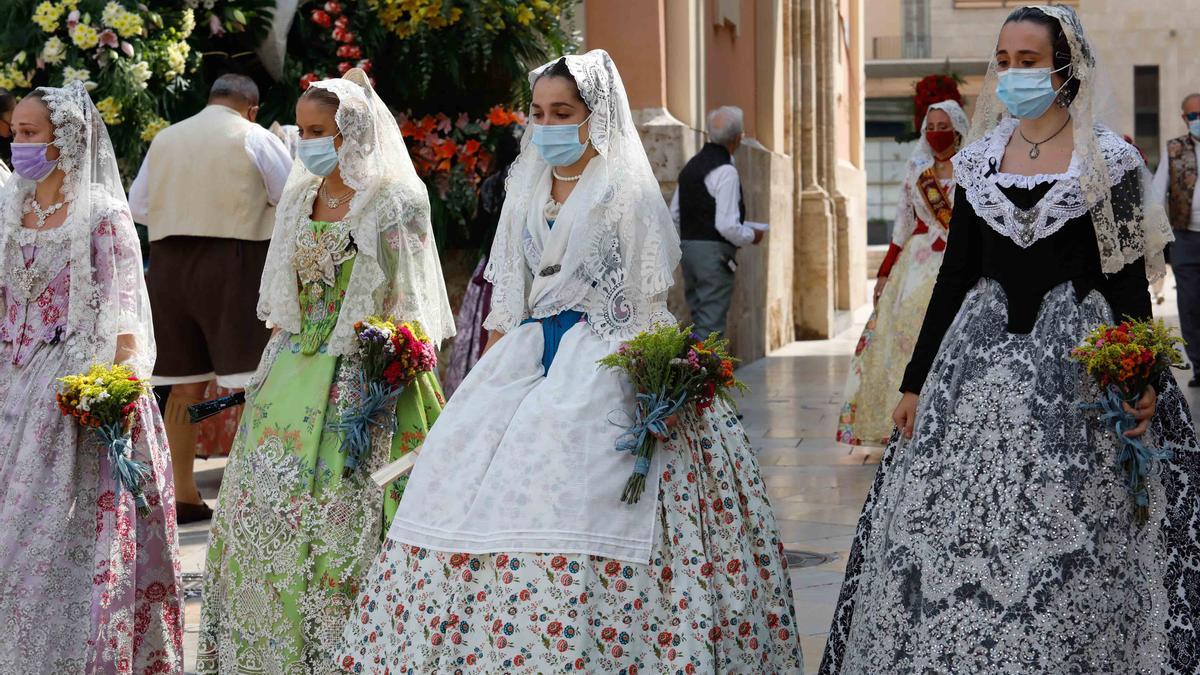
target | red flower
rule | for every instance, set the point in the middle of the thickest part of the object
(320, 18)
(554, 628)
(558, 562)
(667, 574)
(333, 7)
(714, 633)
(307, 80)
(349, 52)
(608, 634)
(612, 568)
(664, 638)
(706, 569)
(344, 67)
(342, 22)
(734, 566)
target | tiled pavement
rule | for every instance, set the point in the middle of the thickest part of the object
(816, 485)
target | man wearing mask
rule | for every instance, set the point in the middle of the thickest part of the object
(1175, 182)
(206, 193)
(711, 215)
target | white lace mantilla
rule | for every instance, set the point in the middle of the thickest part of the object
(977, 170)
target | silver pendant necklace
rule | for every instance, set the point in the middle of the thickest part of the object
(29, 278)
(1034, 151)
(334, 202)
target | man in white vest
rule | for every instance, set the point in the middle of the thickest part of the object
(206, 193)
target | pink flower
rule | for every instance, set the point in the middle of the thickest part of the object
(108, 38)
(127, 49)
(214, 26)
(72, 19)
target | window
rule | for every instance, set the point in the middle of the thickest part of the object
(916, 29)
(1146, 112)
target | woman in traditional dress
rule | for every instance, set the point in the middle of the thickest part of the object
(905, 279)
(293, 532)
(512, 550)
(1000, 535)
(86, 584)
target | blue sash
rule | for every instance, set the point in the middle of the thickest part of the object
(553, 330)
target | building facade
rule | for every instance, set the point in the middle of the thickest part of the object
(795, 67)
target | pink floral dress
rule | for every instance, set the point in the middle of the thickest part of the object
(86, 585)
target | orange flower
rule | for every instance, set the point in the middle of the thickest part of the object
(498, 116)
(471, 147)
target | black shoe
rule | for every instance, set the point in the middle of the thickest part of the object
(192, 513)
(1194, 382)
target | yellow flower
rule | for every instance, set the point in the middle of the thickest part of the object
(128, 24)
(140, 72)
(110, 110)
(54, 51)
(187, 23)
(153, 127)
(111, 12)
(46, 16)
(541, 5)
(84, 36)
(177, 54)
(19, 78)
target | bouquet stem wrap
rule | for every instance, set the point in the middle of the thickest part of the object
(127, 472)
(649, 424)
(377, 411)
(1135, 458)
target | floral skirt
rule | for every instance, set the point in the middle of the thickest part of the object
(291, 535)
(86, 584)
(1002, 538)
(886, 345)
(715, 596)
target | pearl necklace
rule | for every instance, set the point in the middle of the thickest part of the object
(32, 206)
(568, 179)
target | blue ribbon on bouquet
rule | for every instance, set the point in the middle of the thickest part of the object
(127, 472)
(378, 400)
(650, 416)
(1134, 455)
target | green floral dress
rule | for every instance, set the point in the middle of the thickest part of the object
(292, 536)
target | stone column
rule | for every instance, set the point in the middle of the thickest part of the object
(814, 242)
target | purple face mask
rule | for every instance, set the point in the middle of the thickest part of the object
(29, 160)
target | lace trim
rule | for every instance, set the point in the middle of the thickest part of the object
(975, 168)
(995, 150)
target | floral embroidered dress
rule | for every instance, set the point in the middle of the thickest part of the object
(86, 584)
(512, 552)
(911, 266)
(292, 535)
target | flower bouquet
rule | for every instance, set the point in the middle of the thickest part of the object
(103, 400)
(392, 356)
(1124, 360)
(670, 368)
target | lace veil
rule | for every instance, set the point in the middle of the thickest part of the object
(918, 162)
(107, 292)
(623, 248)
(397, 270)
(1128, 223)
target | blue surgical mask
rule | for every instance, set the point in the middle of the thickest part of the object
(1193, 129)
(318, 154)
(559, 143)
(1027, 92)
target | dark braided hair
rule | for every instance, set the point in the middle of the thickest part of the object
(1058, 42)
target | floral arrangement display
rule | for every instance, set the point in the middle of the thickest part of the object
(453, 156)
(392, 355)
(1124, 360)
(670, 368)
(132, 59)
(103, 400)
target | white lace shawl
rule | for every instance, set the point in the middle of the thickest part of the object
(1104, 178)
(107, 291)
(912, 205)
(397, 270)
(623, 248)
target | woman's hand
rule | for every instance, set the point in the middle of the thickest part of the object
(905, 415)
(493, 337)
(126, 348)
(879, 284)
(1143, 413)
